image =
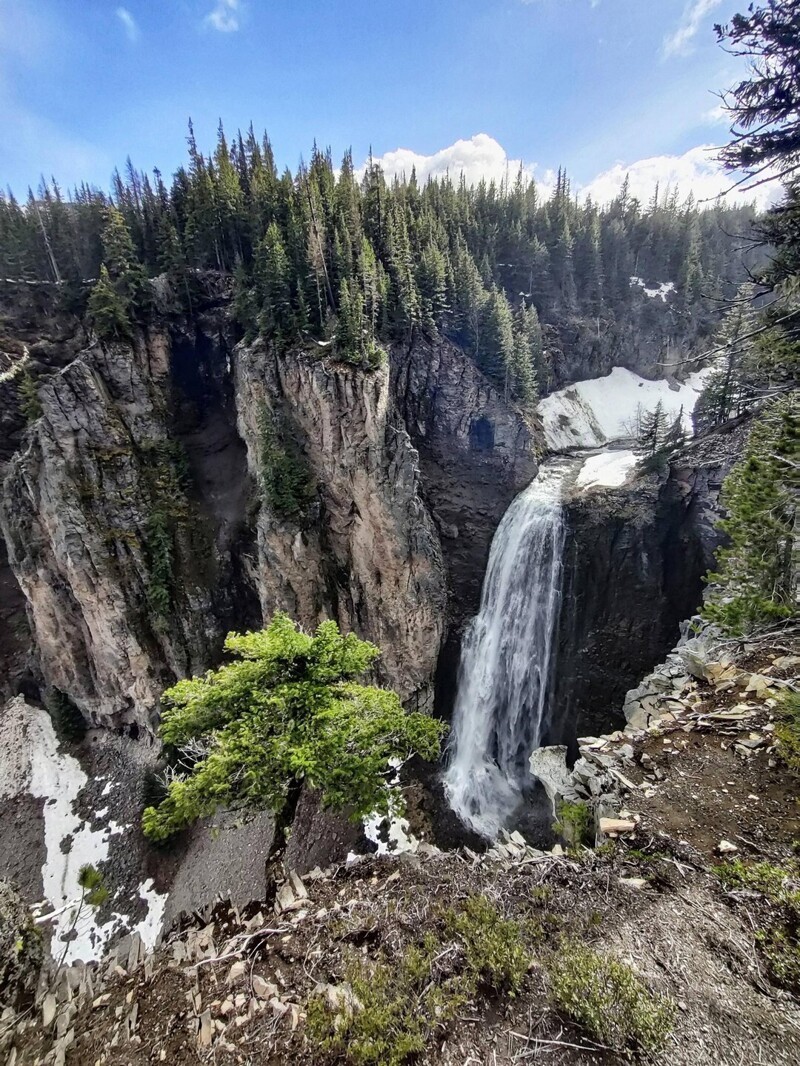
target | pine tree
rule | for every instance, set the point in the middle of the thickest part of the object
(498, 353)
(273, 282)
(675, 437)
(107, 311)
(125, 271)
(651, 431)
(757, 578)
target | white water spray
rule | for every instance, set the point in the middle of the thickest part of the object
(505, 659)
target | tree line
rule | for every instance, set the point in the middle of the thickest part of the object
(355, 261)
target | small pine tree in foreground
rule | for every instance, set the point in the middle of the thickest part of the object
(286, 710)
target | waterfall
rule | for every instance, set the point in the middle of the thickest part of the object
(505, 659)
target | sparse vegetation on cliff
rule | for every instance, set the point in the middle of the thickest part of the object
(285, 477)
(605, 996)
(286, 710)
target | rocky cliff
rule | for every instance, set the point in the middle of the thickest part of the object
(634, 569)
(138, 529)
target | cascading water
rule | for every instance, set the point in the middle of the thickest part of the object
(505, 659)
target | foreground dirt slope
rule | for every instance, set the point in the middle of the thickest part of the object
(706, 788)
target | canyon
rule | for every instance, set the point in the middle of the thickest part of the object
(158, 447)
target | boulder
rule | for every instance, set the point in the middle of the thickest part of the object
(549, 765)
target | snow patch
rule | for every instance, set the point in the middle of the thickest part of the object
(58, 778)
(150, 926)
(609, 469)
(400, 838)
(661, 291)
(594, 412)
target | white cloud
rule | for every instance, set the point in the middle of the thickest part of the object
(479, 157)
(681, 41)
(717, 116)
(225, 16)
(695, 171)
(130, 24)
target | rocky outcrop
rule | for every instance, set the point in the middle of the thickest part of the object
(371, 556)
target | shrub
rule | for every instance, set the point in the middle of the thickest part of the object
(605, 996)
(30, 404)
(286, 709)
(495, 953)
(392, 1010)
(389, 1010)
(779, 938)
(21, 950)
(788, 730)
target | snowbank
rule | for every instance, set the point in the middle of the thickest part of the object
(609, 468)
(591, 413)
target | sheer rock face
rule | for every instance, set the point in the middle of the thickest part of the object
(476, 453)
(414, 466)
(634, 570)
(77, 507)
(369, 554)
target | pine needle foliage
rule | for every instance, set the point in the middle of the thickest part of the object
(757, 578)
(288, 708)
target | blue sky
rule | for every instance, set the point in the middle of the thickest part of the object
(599, 86)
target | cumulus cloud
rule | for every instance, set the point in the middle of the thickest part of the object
(681, 41)
(224, 16)
(479, 157)
(129, 23)
(695, 171)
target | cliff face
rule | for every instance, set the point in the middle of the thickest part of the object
(476, 454)
(97, 527)
(633, 571)
(368, 553)
(138, 530)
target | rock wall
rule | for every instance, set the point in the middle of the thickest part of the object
(476, 453)
(370, 555)
(414, 467)
(79, 509)
(633, 571)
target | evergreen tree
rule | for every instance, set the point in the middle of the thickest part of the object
(123, 267)
(288, 709)
(757, 578)
(651, 431)
(107, 311)
(273, 282)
